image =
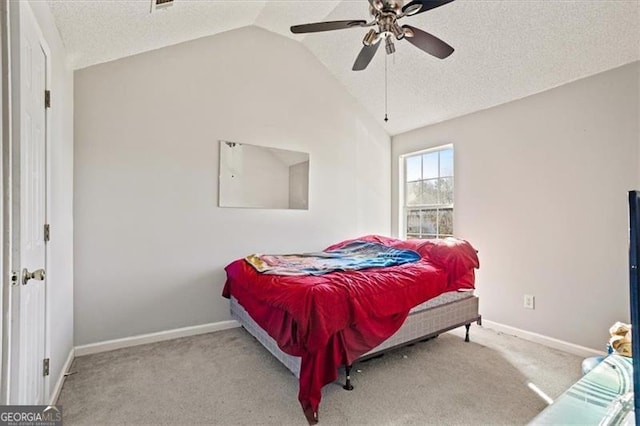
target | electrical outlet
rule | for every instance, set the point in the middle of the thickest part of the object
(529, 301)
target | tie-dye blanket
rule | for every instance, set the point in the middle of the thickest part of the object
(350, 257)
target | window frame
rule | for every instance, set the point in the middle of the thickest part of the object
(402, 205)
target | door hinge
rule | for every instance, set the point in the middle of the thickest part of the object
(47, 232)
(45, 367)
(47, 98)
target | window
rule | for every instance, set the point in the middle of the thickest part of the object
(427, 208)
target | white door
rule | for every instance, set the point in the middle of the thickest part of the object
(28, 296)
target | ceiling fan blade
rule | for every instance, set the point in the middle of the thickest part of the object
(419, 6)
(326, 26)
(427, 42)
(365, 56)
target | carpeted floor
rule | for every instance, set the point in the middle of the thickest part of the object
(228, 378)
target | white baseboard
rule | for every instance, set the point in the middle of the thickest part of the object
(65, 369)
(543, 340)
(160, 336)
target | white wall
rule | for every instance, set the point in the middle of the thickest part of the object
(541, 191)
(150, 241)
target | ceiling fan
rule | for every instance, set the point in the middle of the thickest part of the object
(386, 14)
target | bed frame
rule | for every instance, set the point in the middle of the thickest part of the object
(427, 320)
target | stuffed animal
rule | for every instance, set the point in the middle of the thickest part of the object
(621, 338)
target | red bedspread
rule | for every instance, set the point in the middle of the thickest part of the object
(331, 320)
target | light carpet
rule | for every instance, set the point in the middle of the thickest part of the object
(228, 378)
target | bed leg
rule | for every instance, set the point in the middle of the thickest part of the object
(347, 384)
(466, 336)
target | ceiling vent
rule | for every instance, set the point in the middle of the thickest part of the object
(160, 4)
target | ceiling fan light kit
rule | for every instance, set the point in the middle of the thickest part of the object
(388, 46)
(372, 37)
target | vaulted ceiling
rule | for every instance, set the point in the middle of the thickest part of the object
(505, 49)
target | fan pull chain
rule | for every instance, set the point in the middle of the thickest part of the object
(386, 118)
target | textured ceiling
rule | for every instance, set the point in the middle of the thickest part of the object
(505, 49)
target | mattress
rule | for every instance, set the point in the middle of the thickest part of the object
(444, 312)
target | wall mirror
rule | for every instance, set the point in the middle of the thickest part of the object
(254, 176)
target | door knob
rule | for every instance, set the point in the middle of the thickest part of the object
(38, 274)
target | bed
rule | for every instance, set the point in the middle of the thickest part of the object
(315, 324)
